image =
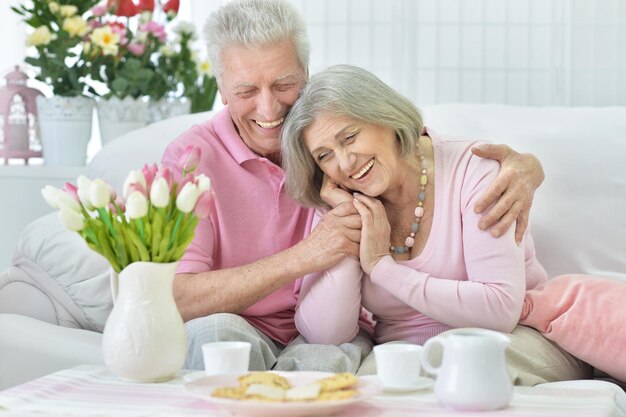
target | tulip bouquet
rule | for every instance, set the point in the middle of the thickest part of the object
(155, 222)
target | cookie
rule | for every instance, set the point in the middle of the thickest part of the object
(236, 393)
(265, 392)
(264, 378)
(338, 382)
(305, 392)
(343, 394)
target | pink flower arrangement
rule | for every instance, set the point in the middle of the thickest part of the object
(155, 220)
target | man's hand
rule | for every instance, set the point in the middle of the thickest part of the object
(334, 194)
(512, 191)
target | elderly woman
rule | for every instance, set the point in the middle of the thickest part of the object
(425, 266)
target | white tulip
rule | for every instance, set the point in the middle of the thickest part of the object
(71, 219)
(59, 199)
(99, 193)
(84, 189)
(187, 197)
(160, 193)
(134, 177)
(65, 201)
(136, 205)
(204, 183)
(49, 194)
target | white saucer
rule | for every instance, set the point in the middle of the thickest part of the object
(192, 376)
(422, 383)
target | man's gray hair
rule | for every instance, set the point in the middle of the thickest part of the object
(254, 23)
(344, 91)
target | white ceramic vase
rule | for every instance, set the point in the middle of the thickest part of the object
(117, 116)
(166, 108)
(65, 129)
(144, 338)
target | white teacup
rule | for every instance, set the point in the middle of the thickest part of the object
(398, 364)
(222, 358)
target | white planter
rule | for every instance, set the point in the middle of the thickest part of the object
(118, 116)
(144, 338)
(65, 129)
(166, 108)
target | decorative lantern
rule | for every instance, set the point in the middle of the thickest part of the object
(19, 136)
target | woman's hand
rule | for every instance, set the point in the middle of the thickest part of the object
(375, 232)
(333, 194)
(512, 191)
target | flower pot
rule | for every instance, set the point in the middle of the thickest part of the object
(165, 108)
(65, 129)
(118, 116)
(144, 338)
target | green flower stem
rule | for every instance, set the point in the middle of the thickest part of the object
(140, 228)
(157, 225)
(104, 215)
(143, 252)
(120, 246)
(163, 245)
(179, 219)
(120, 213)
(190, 226)
(134, 253)
(105, 250)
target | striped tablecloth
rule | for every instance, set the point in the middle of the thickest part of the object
(89, 391)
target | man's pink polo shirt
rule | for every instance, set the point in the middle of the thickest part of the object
(252, 217)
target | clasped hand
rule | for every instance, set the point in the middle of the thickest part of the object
(375, 231)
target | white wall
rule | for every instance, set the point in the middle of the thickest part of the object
(529, 52)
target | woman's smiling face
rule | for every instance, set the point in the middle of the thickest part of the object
(360, 156)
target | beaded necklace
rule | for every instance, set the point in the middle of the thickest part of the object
(419, 210)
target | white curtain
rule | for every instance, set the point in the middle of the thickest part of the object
(527, 52)
(12, 33)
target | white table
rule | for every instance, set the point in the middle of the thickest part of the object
(93, 391)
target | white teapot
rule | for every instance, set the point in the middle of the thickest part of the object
(473, 375)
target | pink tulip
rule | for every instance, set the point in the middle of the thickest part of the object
(190, 159)
(203, 205)
(189, 178)
(166, 173)
(137, 187)
(71, 190)
(149, 173)
(120, 203)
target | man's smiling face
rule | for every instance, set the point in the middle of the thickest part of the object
(260, 85)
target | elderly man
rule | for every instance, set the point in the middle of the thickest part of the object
(239, 279)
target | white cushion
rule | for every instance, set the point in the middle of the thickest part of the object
(579, 215)
(56, 277)
(139, 147)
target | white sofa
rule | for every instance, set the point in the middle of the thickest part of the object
(55, 298)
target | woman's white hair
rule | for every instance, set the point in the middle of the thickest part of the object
(254, 23)
(344, 91)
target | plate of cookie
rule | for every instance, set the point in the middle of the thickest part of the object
(276, 394)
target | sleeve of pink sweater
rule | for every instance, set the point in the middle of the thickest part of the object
(489, 291)
(330, 302)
